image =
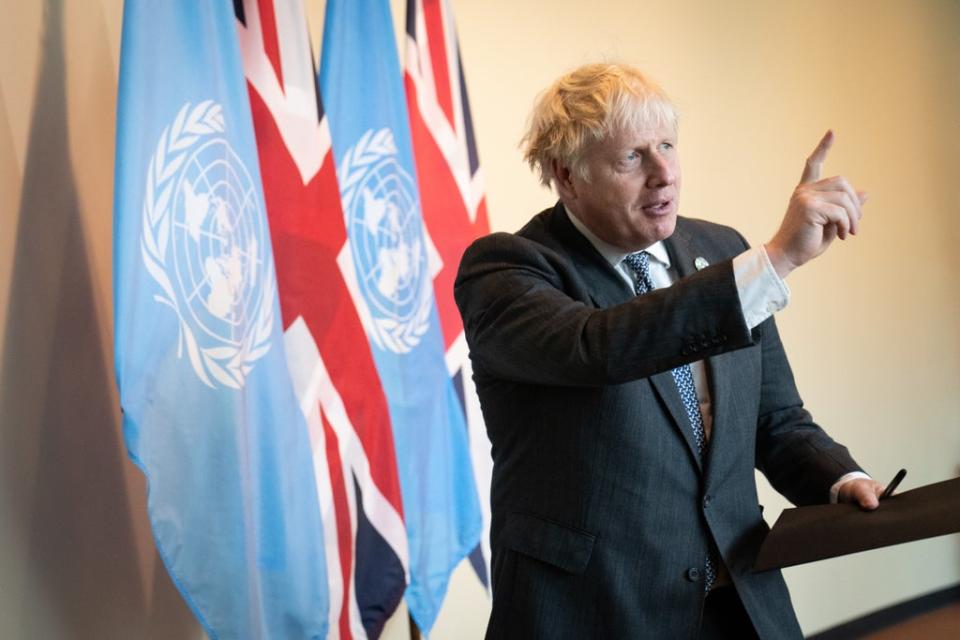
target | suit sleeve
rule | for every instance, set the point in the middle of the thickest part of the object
(796, 455)
(529, 317)
(798, 458)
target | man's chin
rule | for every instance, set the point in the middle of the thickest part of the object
(650, 234)
(662, 227)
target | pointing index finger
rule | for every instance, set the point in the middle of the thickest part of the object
(811, 170)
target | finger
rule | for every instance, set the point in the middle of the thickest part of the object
(838, 191)
(866, 493)
(835, 214)
(851, 203)
(878, 488)
(839, 183)
(811, 170)
(829, 235)
(851, 207)
(867, 497)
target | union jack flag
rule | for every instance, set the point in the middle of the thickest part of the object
(453, 203)
(332, 367)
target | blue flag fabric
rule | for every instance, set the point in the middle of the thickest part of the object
(390, 263)
(210, 414)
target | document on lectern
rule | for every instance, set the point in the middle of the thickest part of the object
(806, 534)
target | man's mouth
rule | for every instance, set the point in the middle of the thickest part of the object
(658, 207)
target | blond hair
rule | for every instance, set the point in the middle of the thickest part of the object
(585, 106)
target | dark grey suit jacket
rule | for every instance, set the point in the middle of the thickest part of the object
(603, 514)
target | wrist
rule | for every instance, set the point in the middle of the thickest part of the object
(779, 260)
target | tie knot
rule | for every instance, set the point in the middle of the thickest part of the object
(639, 264)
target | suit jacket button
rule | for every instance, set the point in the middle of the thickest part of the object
(694, 574)
(706, 500)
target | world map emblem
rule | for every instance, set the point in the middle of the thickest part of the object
(204, 243)
(387, 241)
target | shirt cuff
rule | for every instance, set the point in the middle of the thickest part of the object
(762, 291)
(835, 489)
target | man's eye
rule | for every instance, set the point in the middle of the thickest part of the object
(666, 145)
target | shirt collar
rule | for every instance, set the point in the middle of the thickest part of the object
(615, 255)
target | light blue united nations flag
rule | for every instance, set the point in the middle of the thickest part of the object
(389, 263)
(210, 414)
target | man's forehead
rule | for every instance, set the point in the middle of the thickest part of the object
(648, 133)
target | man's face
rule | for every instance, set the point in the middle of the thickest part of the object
(632, 194)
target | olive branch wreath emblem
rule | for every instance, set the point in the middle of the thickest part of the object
(403, 334)
(227, 364)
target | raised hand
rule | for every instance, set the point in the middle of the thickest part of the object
(819, 211)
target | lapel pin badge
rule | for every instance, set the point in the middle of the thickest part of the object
(701, 263)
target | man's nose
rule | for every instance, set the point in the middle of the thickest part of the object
(661, 171)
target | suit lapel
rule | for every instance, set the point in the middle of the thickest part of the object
(666, 388)
(681, 254)
(721, 370)
(722, 397)
(607, 287)
(681, 248)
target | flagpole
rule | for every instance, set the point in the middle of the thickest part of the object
(414, 629)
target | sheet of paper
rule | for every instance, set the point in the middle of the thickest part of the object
(806, 534)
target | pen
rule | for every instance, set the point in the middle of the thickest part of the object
(894, 484)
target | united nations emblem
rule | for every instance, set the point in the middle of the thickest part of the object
(204, 243)
(387, 241)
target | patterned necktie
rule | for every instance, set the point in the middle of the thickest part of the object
(639, 265)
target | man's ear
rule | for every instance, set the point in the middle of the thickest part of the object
(562, 180)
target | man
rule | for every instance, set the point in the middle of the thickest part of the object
(631, 378)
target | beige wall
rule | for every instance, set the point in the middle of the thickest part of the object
(872, 329)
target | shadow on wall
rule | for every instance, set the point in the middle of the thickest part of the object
(61, 456)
